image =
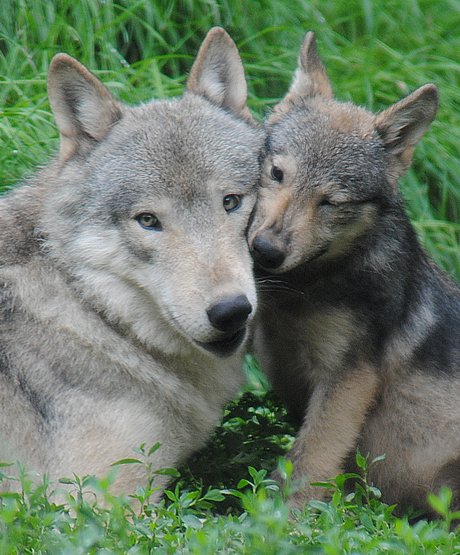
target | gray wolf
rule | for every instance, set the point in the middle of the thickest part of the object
(358, 329)
(126, 280)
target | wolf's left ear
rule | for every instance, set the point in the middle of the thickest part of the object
(403, 125)
(310, 78)
(218, 74)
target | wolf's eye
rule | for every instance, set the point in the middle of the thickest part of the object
(232, 202)
(276, 173)
(149, 221)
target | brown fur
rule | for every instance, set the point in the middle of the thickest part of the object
(357, 328)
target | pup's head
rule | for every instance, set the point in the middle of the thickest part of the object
(149, 210)
(330, 167)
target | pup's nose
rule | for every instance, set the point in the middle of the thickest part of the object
(229, 314)
(266, 254)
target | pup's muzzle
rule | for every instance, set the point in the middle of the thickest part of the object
(266, 254)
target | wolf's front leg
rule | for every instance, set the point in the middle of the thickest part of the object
(335, 416)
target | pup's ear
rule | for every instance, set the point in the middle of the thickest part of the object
(218, 74)
(403, 125)
(83, 108)
(310, 78)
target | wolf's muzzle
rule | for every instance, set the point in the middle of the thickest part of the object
(266, 254)
(230, 314)
(227, 345)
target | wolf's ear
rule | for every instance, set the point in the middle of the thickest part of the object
(83, 108)
(310, 78)
(218, 74)
(403, 125)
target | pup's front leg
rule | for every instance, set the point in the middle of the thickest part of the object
(335, 416)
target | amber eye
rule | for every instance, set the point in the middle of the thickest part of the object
(149, 221)
(232, 202)
(276, 173)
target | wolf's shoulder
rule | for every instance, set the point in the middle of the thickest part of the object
(19, 220)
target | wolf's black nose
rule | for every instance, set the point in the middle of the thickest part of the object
(266, 254)
(229, 314)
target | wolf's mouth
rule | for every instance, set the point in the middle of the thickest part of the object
(226, 346)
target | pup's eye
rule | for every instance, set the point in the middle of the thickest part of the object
(276, 173)
(326, 202)
(149, 221)
(232, 202)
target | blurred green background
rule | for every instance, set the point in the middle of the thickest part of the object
(376, 51)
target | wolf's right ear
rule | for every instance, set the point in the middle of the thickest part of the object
(218, 74)
(83, 108)
(310, 78)
(403, 125)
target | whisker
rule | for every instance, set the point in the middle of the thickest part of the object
(273, 284)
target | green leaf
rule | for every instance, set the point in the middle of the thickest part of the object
(154, 448)
(319, 505)
(342, 478)
(379, 458)
(360, 460)
(286, 467)
(168, 472)
(192, 521)
(214, 495)
(127, 461)
(235, 493)
(69, 481)
(323, 484)
(441, 503)
(366, 521)
(375, 491)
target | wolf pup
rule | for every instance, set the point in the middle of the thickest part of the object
(359, 331)
(126, 280)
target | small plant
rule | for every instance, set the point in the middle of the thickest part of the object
(143, 494)
(442, 504)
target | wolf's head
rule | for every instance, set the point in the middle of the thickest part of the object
(330, 168)
(149, 206)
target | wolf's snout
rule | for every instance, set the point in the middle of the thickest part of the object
(229, 314)
(266, 254)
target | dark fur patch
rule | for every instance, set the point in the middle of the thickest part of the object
(4, 363)
(38, 402)
(6, 305)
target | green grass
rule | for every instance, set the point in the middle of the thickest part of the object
(376, 51)
(189, 521)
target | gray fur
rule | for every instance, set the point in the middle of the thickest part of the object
(105, 334)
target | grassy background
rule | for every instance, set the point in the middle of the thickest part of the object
(376, 51)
